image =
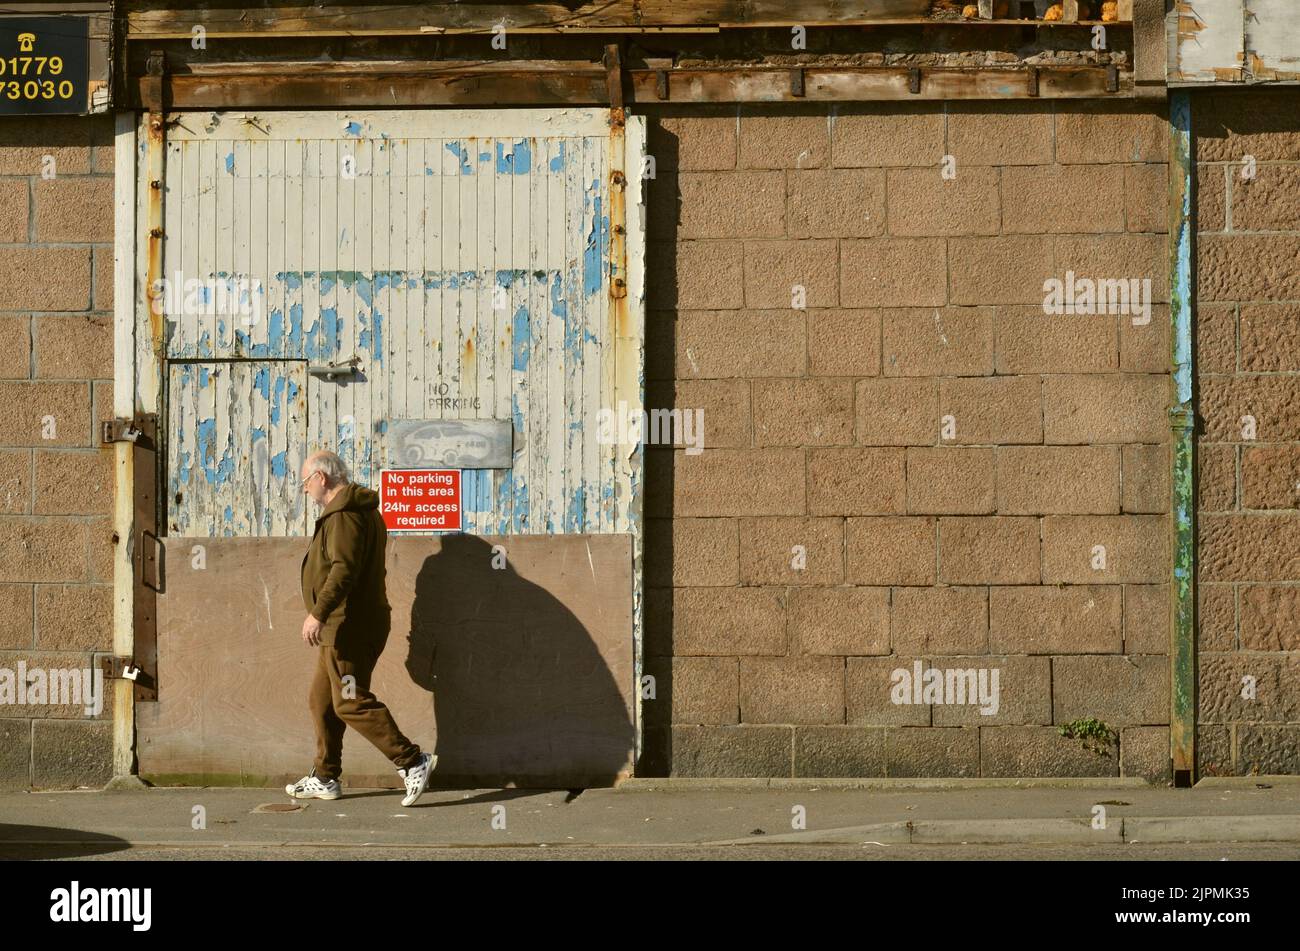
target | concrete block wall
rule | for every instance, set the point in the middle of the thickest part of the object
(56, 482)
(831, 530)
(1248, 354)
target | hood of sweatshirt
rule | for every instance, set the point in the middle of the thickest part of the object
(355, 497)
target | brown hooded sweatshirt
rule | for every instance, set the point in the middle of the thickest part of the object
(343, 570)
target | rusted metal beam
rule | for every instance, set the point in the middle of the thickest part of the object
(589, 86)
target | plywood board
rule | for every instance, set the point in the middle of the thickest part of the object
(1273, 39)
(521, 675)
(1207, 40)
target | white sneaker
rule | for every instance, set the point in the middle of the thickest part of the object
(310, 787)
(417, 778)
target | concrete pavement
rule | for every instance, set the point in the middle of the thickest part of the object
(668, 813)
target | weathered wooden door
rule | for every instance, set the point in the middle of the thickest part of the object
(461, 259)
(457, 266)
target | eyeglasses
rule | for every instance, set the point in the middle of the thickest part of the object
(303, 482)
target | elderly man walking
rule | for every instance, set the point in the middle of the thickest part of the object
(348, 621)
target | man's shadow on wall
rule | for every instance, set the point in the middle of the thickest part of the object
(520, 690)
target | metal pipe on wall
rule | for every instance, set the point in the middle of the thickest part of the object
(1182, 421)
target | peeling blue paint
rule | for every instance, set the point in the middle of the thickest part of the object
(557, 162)
(205, 436)
(295, 328)
(352, 128)
(378, 350)
(280, 464)
(521, 339)
(230, 163)
(593, 268)
(262, 382)
(275, 330)
(485, 156)
(277, 402)
(455, 149)
(574, 516)
(559, 306)
(516, 162)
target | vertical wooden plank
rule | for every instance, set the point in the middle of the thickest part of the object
(491, 258)
(321, 326)
(205, 224)
(534, 408)
(180, 439)
(396, 296)
(373, 223)
(565, 214)
(629, 376)
(449, 312)
(296, 435)
(216, 298)
(126, 193)
(182, 338)
(314, 239)
(240, 241)
(1070, 11)
(238, 521)
(505, 245)
(613, 451)
(351, 398)
(279, 235)
(262, 497)
(259, 225)
(423, 339)
(291, 277)
(595, 340)
(584, 304)
(631, 350)
(522, 318)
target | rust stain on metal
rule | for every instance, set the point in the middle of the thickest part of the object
(618, 222)
(156, 134)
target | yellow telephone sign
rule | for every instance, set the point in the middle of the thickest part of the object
(44, 65)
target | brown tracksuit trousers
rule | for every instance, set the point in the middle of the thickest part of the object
(333, 711)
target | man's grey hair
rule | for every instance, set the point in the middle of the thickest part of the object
(336, 472)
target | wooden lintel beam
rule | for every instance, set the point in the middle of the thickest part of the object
(586, 86)
(161, 19)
